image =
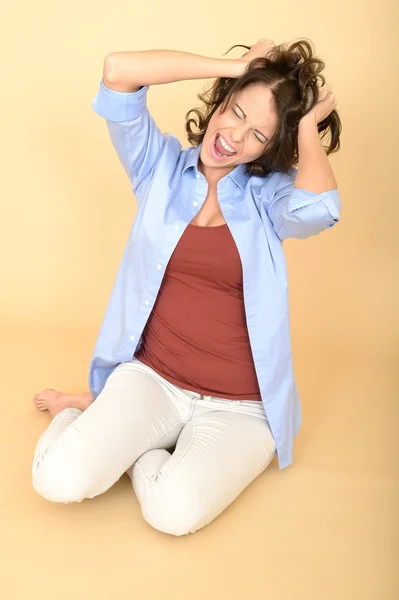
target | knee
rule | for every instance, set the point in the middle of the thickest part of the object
(183, 524)
(58, 482)
(174, 512)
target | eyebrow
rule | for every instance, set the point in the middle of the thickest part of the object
(245, 116)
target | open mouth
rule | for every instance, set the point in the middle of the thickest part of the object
(219, 151)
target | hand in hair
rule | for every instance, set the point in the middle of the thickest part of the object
(261, 48)
(325, 105)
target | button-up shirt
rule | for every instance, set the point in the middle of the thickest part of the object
(260, 212)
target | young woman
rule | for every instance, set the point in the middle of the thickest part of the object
(192, 391)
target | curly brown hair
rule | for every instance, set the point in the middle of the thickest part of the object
(293, 75)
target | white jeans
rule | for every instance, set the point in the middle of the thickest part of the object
(221, 446)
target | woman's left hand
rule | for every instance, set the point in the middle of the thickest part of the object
(325, 105)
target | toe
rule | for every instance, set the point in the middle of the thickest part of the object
(41, 405)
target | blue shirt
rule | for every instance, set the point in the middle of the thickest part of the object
(260, 212)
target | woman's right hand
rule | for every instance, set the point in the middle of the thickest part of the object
(261, 48)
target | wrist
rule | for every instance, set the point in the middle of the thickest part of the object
(307, 130)
(233, 67)
(308, 123)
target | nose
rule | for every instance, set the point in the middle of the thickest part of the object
(239, 133)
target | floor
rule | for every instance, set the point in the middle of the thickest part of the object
(325, 528)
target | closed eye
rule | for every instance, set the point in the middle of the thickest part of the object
(237, 115)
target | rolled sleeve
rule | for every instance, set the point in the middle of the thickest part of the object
(134, 134)
(299, 213)
(119, 106)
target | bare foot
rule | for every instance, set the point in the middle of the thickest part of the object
(55, 402)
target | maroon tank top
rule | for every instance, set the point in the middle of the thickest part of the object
(196, 336)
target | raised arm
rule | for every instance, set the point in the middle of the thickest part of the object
(306, 202)
(127, 71)
(122, 100)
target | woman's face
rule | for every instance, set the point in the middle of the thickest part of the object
(247, 126)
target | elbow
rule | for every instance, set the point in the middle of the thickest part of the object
(108, 67)
(114, 74)
(306, 221)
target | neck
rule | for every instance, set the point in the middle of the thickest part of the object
(213, 174)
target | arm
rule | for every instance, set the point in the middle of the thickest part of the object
(305, 202)
(122, 100)
(296, 212)
(314, 170)
(126, 71)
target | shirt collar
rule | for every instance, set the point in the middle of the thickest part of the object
(238, 174)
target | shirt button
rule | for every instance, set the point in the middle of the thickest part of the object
(147, 302)
(177, 227)
(195, 203)
(198, 175)
(159, 267)
(132, 337)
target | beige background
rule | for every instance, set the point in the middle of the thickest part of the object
(324, 528)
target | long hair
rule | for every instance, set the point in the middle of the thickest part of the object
(293, 75)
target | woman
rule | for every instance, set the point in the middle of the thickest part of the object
(192, 391)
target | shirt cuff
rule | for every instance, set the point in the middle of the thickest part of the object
(119, 106)
(300, 198)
